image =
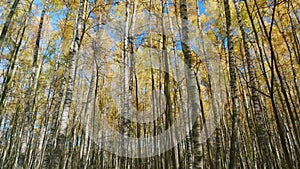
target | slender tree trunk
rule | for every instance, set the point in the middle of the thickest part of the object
(10, 69)
(8, 21)
(50, 99)
(170, 155)
(273, 65)
(261, 131)
(191, 88)
(233, 92)
(87, 117)
(124, 123)
(74, 49)
(183, 109)
(28, 107)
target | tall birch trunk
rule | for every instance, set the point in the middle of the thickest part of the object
(71, 62)
(191, 87)
(261, 130)
(8, 21)
(233, 92)
(28, 107)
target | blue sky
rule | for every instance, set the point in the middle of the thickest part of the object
(56, 16)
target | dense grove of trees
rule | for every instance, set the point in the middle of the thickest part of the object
(74, 72)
